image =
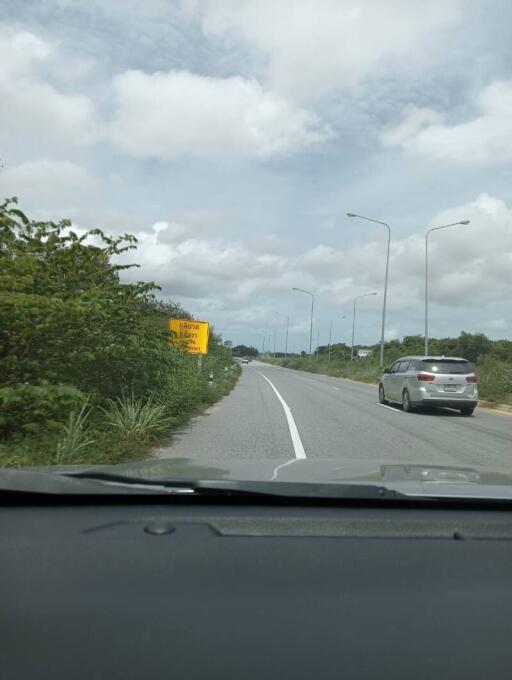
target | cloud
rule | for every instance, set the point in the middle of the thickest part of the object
(468, 271)
(164, 115)
(45, 182)
(315, 46)
(496, 325)
(472, 266)
(31, 105)
(486, 138)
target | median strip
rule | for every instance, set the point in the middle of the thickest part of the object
(294, 433)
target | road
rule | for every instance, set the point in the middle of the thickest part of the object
(300, 414)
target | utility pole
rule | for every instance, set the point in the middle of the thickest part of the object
(301, 290)
(354, 322)
(287, 328)
(386, 276)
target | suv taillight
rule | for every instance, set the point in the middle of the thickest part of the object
(425, 377)
(471, 379)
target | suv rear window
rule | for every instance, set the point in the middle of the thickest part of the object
(446, 366)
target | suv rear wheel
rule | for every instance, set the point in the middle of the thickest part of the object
(406, 401)
(468, 411)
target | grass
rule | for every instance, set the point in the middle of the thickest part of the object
(495, 381)
(137, 419)
(121, 430)
(364, 371)
(76, 438)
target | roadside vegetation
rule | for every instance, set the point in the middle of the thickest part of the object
(87, 373)
(492, 360)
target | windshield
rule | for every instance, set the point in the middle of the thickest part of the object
(257, 240)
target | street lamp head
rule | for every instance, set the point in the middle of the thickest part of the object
(464, 222)
(351, 215)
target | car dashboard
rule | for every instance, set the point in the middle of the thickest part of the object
(177, 588)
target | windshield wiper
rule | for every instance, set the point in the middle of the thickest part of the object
(97, 482)
(309, 490)
(104, 483)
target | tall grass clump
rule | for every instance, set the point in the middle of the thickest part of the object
(76, 439)
(136, 418)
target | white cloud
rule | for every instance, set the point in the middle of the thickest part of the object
(32, 106)
(415, 120)
(494, 325)
(314, 46)
(170, 114)
(45, 182)
(469, 270)
(486, 138)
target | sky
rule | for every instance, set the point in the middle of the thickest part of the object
(233, 136)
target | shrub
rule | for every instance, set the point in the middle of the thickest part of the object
(76, 439)
(32, 409)
(495, 380)
(183, 390)
(136, 418)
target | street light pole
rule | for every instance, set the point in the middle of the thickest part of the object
(287, 329)
(354, 322)
(330, 336)
(342, 317)
(262, 335)
(275, 337)
(429, 231)
(307, 292)
(383, 329)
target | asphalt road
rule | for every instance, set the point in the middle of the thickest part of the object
(300, 415)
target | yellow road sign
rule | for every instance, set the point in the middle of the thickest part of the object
(191, 334)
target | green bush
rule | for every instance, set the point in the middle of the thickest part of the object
(183, 390)
(495, 380)
(136, 418)
(32, 409)
(77, 438)
(65, 316)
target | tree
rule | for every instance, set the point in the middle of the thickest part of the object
(244, 351)
(65, 317)
(473, 346)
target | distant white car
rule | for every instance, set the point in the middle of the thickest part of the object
(245, 361)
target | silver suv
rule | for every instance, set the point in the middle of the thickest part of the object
(430, 381)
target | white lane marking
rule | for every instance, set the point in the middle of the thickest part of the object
(334, 388)
(391, 408)
(294, 433)
(280, 467)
